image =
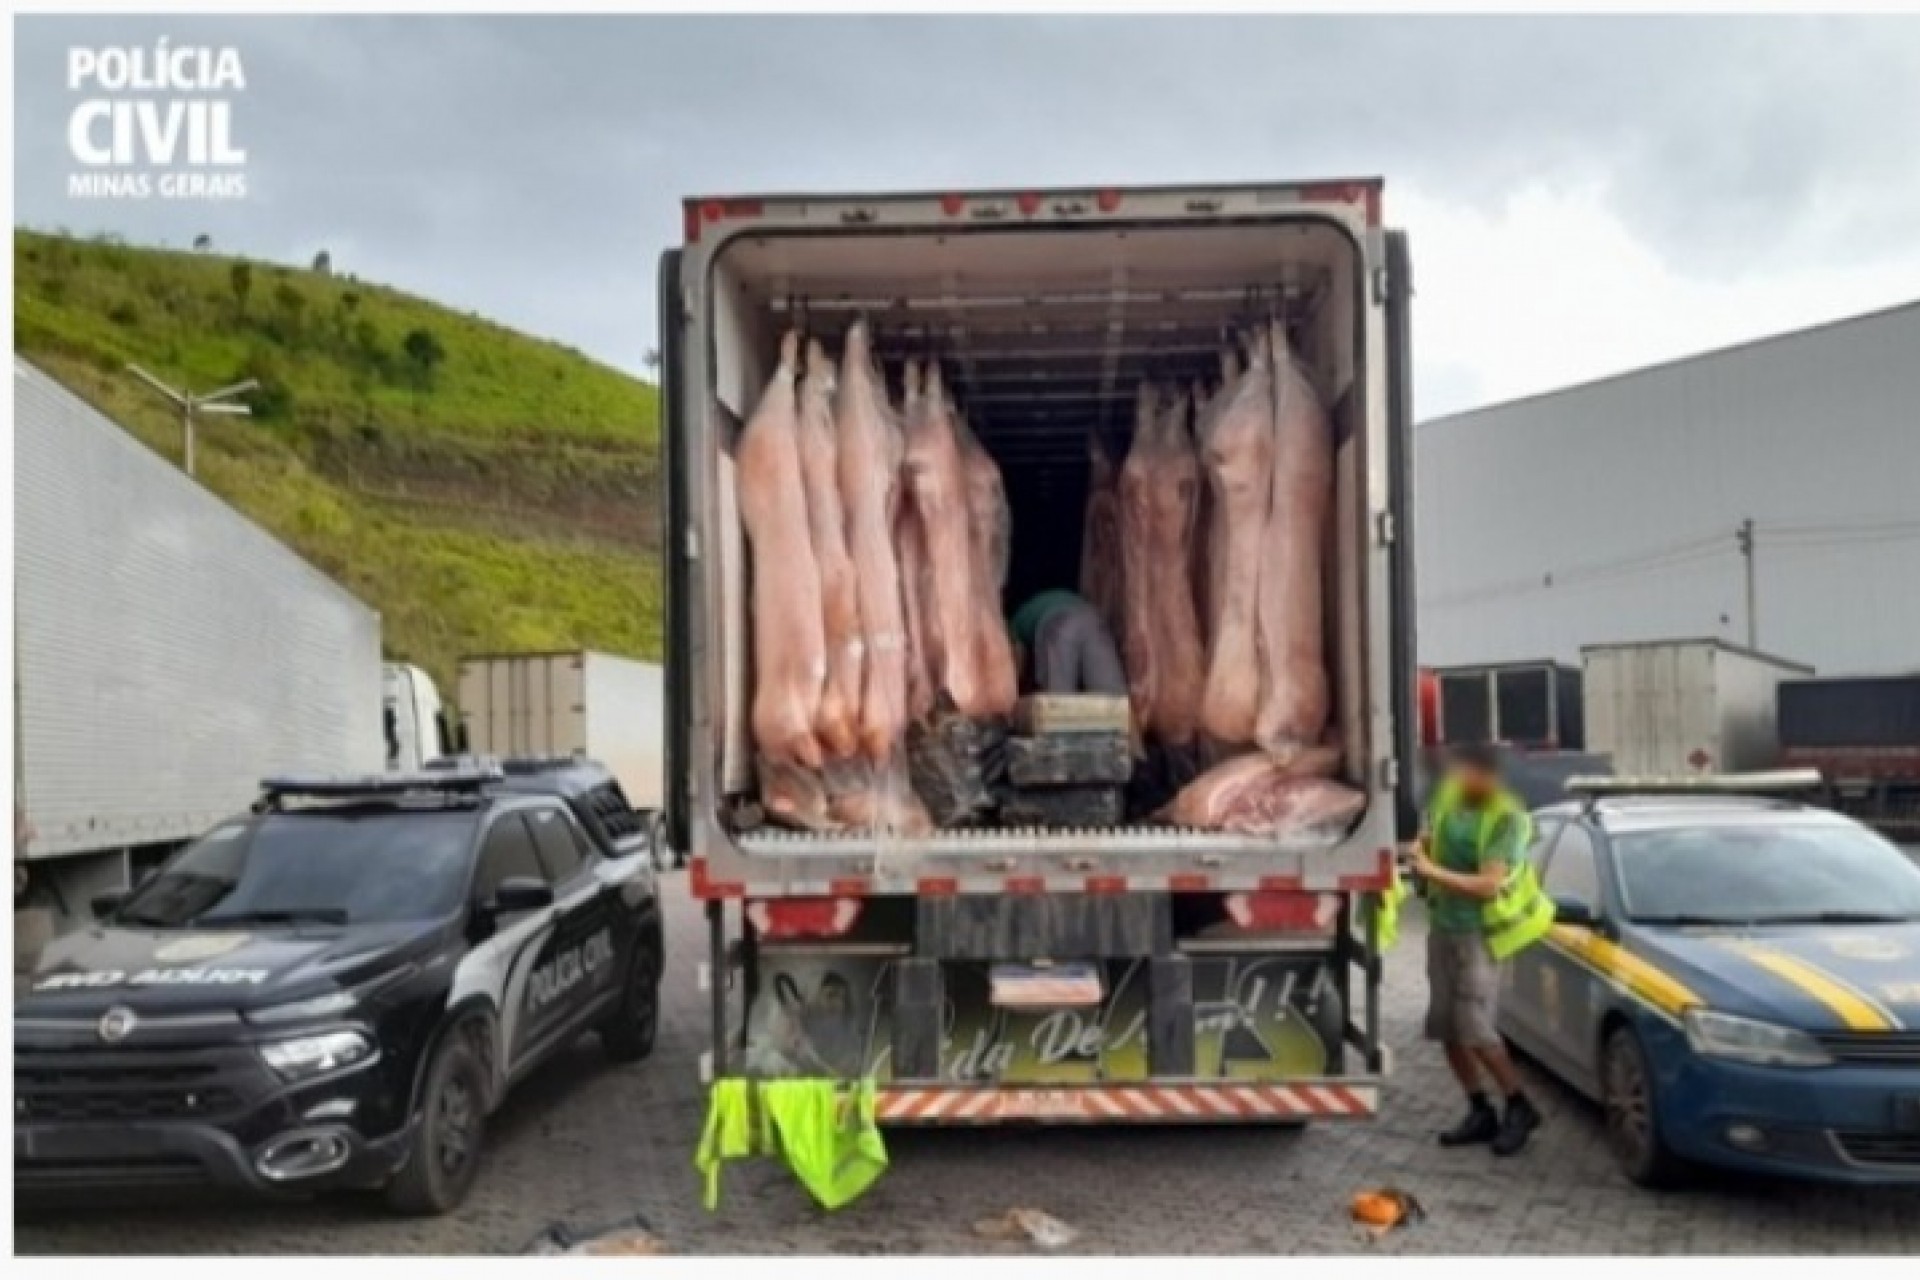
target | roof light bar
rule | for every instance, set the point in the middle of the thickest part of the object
(1702, 784)
(345, 786)
(522, 766)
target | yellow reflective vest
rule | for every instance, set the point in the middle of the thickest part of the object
(1516, 917)
(824, 1131)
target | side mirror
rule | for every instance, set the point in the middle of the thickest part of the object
(105, 904)
(1574, 911)
(520, 893)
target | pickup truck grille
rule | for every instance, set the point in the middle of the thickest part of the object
(1899, 1149)
(79, 1087)
(1873, 1048)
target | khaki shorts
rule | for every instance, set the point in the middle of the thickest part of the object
(1463, 989)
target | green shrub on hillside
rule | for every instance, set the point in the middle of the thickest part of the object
(484, 490)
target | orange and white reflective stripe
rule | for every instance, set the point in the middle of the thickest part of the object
(1196, 1103)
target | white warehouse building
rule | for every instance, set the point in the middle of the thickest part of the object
(1623, 509)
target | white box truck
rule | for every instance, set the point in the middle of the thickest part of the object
(1239, 978)
(607, 708)
(1671, 707)
(169, 653)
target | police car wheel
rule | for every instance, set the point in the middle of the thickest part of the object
(628, 1035)
(445, 1155)
(1632, 1110)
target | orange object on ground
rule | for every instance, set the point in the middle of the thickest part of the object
(1383, 1208)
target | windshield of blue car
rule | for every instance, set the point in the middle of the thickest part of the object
(1765, 873)
(311, 869)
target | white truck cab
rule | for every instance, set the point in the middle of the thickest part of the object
(416, 724)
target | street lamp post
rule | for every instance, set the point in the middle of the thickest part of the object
(189, 404)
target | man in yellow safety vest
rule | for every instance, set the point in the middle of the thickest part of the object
(1483, 905)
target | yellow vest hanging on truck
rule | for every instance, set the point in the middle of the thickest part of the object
(1516, 917)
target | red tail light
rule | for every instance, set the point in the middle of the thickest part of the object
(1291, 912)
(704, 211)
(803, 917)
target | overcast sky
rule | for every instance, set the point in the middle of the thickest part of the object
(1584, 195)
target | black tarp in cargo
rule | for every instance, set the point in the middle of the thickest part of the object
(1865, 712)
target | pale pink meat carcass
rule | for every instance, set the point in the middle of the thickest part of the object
(1201, 559)
(1238, 452)
(1138, 632)
(910, 546)
(1169, 475)
(1257, 794)
(1294, 699)
(1213, 530)
(936, 478)
(869, 465)
(837, 721)
(990, 522)
(789, 642)
(1102, 574)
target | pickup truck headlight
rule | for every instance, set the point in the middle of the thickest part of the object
(330, 1005)
(317, 1054)
(1766, 1044)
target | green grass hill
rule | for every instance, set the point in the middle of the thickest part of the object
(484, 490)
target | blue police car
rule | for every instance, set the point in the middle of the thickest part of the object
(1735, 978)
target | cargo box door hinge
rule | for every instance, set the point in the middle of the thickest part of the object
(1383, 528)
(1389, 774)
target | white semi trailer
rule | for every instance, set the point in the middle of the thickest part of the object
(576, 703)
(1673, 707)
(168, 654)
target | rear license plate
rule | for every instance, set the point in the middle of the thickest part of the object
(1053, 986)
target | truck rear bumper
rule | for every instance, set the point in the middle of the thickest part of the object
(1161, 1102)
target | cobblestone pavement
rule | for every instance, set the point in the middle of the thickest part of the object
(587, 1143)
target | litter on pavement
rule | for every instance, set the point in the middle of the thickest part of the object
(626, 1238)
(1033, 1225)
(1381, 1209)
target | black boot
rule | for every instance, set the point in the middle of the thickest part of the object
(1481, 1124)
(1516, 1126)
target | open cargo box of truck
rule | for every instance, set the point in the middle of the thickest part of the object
(1046, 311)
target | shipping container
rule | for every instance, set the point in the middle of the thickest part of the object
(1047, 309)
(1671, 707)
(1863, 735)
(1520, 704)
(169, 653)
(1865, 713)
(597, 705)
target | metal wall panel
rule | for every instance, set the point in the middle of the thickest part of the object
(1608, 512)
(169, 652)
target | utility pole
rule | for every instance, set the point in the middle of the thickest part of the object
(1745, 537)
(189, 404)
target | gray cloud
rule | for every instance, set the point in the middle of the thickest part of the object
(530, 169)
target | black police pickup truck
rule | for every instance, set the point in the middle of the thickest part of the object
(335, 990)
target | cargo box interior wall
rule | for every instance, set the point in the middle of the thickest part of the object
(1044, 337)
